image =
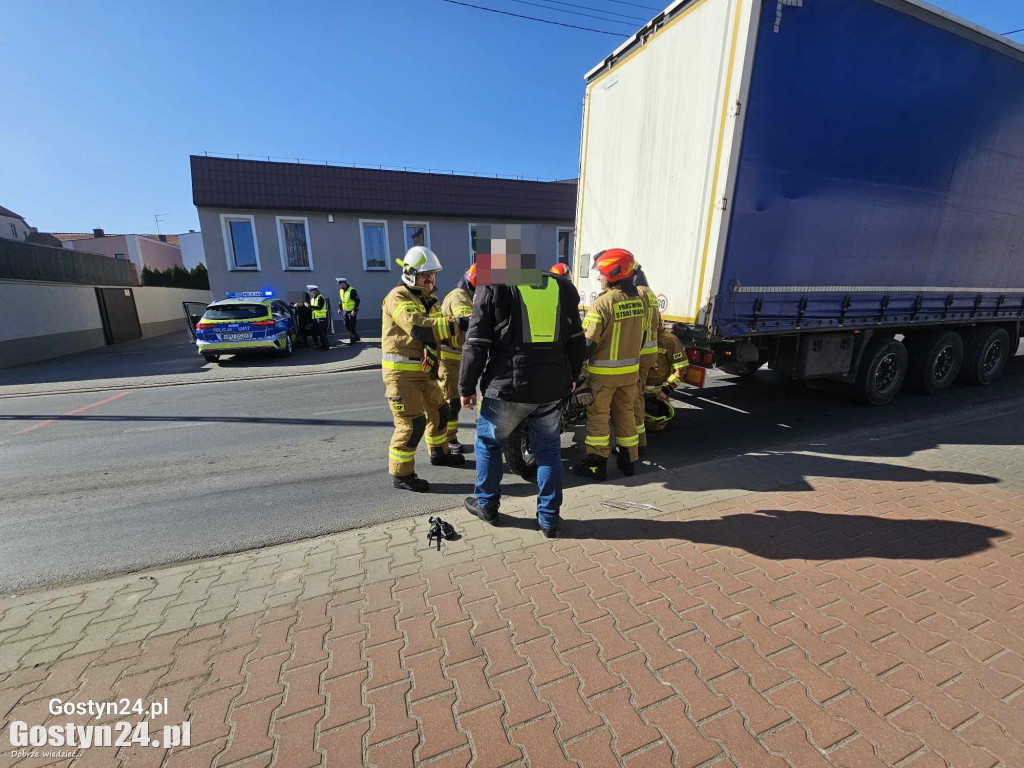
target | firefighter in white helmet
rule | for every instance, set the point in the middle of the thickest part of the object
(413, 330)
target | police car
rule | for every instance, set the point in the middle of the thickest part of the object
(243, 322)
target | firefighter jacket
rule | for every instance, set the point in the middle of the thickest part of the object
(349, 299)
(458, 303)
(319, 305)
(412, 330)
(525, 343)
(614, 326)
(670, 367)
(652, 321)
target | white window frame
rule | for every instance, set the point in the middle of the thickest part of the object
(14, 231)
(281, 221)
(426, 231)
(229, 252)
(572, 233)
(469, 235)
(387, 244)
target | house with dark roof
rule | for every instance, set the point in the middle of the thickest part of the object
(282, 226)
(13, 226)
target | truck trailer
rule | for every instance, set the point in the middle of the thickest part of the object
(834, 188)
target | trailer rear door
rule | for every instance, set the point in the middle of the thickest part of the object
(659, 128)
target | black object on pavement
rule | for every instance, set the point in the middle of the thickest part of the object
(439, 529)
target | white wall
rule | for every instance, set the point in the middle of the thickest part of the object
(20, 227)
(159, 305)
(71, 308)
(192, 252)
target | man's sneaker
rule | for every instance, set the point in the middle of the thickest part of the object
(441, 458)
(624, 464)
(549, 533)
(454, 446)
(594, 467)
(486, 514)
(410, 483)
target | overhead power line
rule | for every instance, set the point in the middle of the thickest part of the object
(635, 5)
(534, 18)
(1014, 31)
(599, 10)
(574, 13)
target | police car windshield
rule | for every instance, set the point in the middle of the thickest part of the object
(236, 312)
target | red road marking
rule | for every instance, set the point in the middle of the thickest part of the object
(104, 401)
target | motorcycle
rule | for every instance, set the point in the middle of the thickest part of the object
(518, 455)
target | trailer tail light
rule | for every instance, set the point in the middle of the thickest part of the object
(693, 355)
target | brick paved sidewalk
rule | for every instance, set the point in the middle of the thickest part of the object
(865, 611)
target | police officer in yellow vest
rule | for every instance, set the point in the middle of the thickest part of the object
(614, 326)
(348, 308)
(457, 308)
(648, 350)
(413, 330)
(318, 303)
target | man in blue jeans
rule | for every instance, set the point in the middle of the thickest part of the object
(524, 348)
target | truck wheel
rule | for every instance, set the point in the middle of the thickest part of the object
(518, 456)
(210, 357)
(934, 358)
(882, 370)
(987, 350)
(736, 368)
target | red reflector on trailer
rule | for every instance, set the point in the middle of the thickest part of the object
(695, 375)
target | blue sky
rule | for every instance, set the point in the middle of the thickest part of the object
(103, 101)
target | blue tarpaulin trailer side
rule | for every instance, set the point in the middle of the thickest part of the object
(881, 173)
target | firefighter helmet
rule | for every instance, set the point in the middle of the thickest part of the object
(615, 264)
(417, 259)
(657, 414)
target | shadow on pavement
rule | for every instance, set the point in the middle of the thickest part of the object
(777, 534)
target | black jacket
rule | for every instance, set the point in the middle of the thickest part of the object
(496, 357)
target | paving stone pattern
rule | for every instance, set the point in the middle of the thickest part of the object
(870, 617)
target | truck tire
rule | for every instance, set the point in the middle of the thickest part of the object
(736, 368)
(518, 456)
(882, 371)
(987, 348)
(934, 360)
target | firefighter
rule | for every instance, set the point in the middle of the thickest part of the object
(413, 330)
(562, 270)
(457, 308)
(318, 303)
(663, 378)
(348, 308)
(648, 351)
(614, 326)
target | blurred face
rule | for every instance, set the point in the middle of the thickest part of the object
(427, 281)
(604, 280)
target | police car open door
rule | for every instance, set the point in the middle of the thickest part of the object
(193, 314)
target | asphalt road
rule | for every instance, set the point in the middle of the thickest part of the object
(105, 482)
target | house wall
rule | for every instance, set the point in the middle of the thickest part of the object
(192, 253)
(76, 326)
(336, 250)
(159, 256)
(20, 228)
(140, 251)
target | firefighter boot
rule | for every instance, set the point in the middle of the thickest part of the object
(410, 483)
(624, 464)
(592, 466)
(442, 458)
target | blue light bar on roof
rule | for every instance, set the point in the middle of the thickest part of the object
(249, 294)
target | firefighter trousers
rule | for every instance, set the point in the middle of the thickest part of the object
(450, 389)
(612, 404)
(418, 408)
(646, 363)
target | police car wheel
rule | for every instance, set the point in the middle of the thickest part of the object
(288, 348)
(210, 357)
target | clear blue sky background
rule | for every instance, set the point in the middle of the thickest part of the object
(103, 101)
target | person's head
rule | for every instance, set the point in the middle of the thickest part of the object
(419, 268)
(562, 270)
(471, 276)
(314, 290)
(614, 265)
(342, 282)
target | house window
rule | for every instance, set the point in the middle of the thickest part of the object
(240, 244)
(416, 233)
(14, 232)
(120, 256)
(565, 243)
(472, 243)
(374, 236)
(293, 238)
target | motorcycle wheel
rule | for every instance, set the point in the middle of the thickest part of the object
(518, 456)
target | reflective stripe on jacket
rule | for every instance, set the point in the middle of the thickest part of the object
(615, 324)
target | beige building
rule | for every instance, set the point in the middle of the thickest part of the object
(281, 226)
(13, 226)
